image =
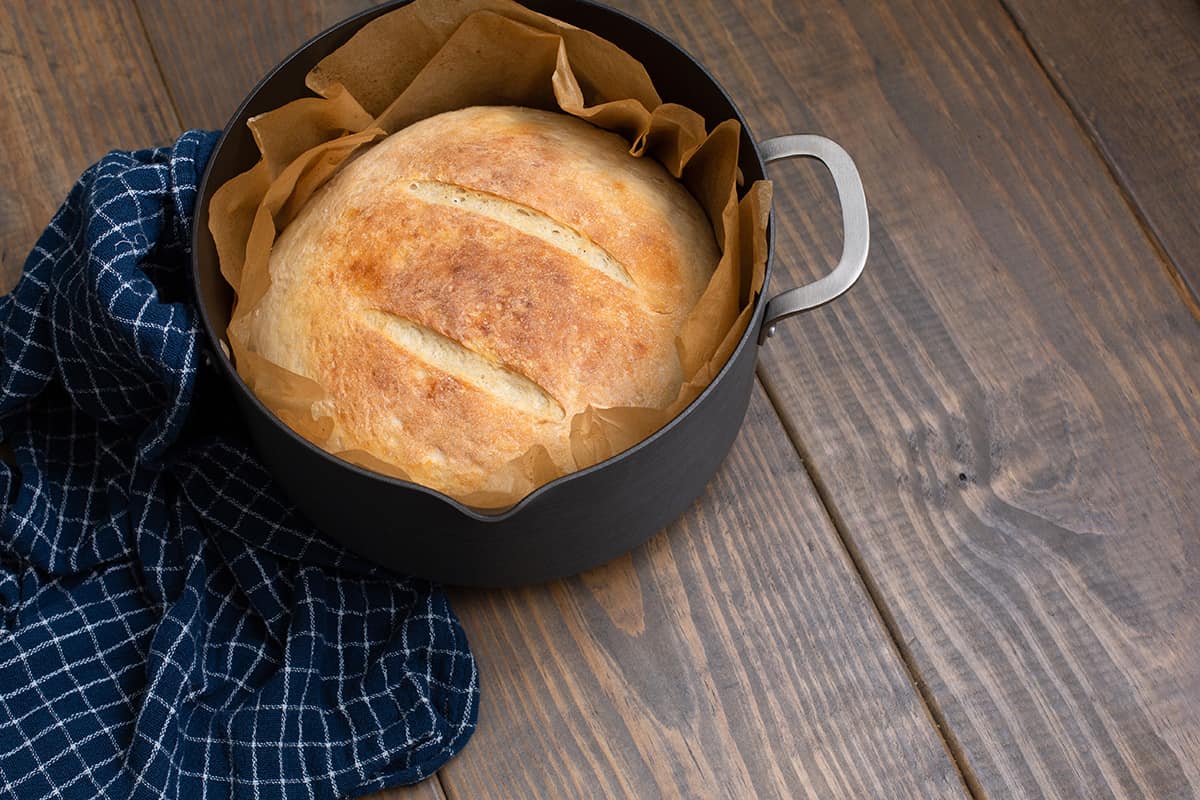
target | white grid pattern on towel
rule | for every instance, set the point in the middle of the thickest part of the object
(168, 625)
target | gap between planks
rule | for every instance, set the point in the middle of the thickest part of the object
(1189, 295)
(937, 718)
(434, 781)
(934, 713)
(158, 67)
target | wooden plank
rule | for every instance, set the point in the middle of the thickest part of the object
(735, 655)
(213, 55)
(241, 41)
(79, 79)
(1005, 413)
(429, 789)
(1130, 69)
(1046, 555)
(794, 686)
(69, 96)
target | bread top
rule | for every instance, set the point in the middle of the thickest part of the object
(470, 283)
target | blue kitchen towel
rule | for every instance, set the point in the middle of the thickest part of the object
(169, 626)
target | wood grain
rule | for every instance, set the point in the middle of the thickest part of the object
(735, 655)
(213, 55)
(429, 789)
(68, 96)
(795, 690)
(79, 79)
(1130, 69)
(1004, 415)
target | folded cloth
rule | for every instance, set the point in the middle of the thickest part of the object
(169, 626)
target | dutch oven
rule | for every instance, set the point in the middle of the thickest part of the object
(582, 519)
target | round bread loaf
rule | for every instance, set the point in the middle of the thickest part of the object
(472, 282)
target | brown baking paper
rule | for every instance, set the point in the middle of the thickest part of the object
(433, 56)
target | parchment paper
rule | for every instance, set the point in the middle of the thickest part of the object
(441, 55)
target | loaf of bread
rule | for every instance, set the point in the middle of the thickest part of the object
(472, 282)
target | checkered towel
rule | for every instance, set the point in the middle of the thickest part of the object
(169, 627)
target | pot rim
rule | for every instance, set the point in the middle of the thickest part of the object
(748, 338)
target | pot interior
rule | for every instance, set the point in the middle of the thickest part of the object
(677, 76)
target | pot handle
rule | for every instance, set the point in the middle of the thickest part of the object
(855, 227)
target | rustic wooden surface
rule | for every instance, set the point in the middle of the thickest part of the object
(1130, 69)
(715, 721)
(209, 76)
(61, 113)
(735, 655)
(1003, 416)
(957, 545)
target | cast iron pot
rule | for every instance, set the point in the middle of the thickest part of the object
(579, 520)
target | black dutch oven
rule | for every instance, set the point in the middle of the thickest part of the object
(582, 519)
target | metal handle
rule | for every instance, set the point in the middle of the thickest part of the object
(855, 236)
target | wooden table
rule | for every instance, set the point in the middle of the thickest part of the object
(956, 548)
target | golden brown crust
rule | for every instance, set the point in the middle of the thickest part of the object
(563, 266)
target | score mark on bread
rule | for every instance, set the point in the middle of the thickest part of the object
(525, 219)
(466, 365)
(471, 283)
